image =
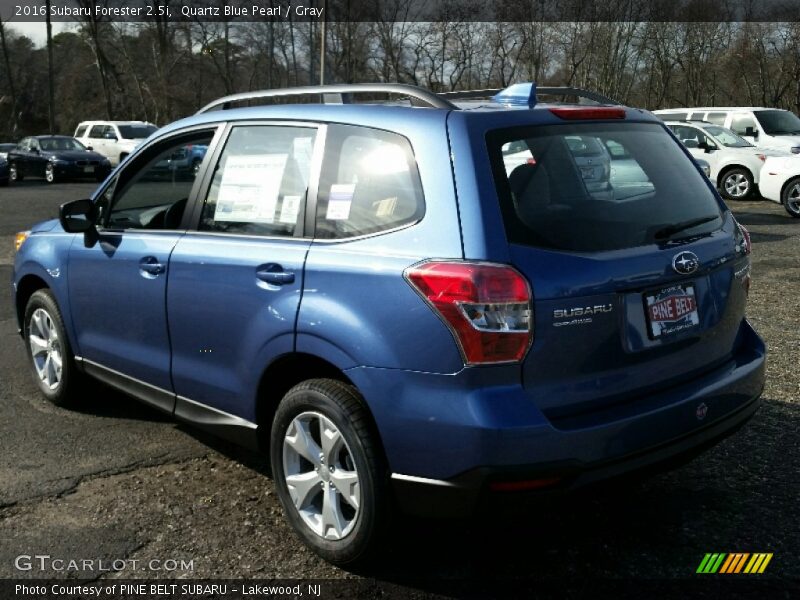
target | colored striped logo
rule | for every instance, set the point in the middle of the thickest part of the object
(736, 562)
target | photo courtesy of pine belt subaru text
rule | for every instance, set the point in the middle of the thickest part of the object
(428, 304)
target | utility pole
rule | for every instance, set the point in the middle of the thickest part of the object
(322, 41)
(51, 107)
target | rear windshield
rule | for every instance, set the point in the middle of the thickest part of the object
(135, 132)
(598, 186)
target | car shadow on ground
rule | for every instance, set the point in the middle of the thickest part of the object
(766, 238)
(97, 399)
(752, 218)
(658, 528)
(100, 400)
(735, 496)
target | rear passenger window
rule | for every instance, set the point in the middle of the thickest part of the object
(80, 131)
(260, 182)
(743, 124)
(717, 118)
(369, 183)
(97, 131)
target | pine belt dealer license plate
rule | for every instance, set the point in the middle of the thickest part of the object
(671, 310)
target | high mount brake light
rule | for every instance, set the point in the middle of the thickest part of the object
(486, 306)
(580, 113)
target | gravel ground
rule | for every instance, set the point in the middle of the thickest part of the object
(116, 480)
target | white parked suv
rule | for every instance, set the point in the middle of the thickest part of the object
(780, 182)
(763, 127)
(113, 139)
(735, 164)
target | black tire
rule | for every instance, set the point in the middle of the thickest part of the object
(790, 197)
(65, 392)
(736, 184)
(14, 174)
(343, 406)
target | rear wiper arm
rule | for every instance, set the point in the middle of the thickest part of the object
(670, 230)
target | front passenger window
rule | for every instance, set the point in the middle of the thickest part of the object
(156, 186)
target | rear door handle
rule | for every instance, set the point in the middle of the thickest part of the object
(274, 274)
(151, 266)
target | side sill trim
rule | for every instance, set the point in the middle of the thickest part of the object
(145, 392)
(225, 425)
(213, 420)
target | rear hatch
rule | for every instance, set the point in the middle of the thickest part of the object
(637, 269)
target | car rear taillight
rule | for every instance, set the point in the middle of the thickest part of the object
(743, 246)
(743, 240)
(579, 113)
(486, 306)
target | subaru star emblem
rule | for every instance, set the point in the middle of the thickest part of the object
(702, 411)
(685, 263)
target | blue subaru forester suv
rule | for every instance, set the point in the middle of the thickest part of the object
(424, 303)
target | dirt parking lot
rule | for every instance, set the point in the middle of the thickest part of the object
(117, 480)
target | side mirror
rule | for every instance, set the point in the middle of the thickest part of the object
(751, 132)
(80, 216)
(77, 216)
(709, 147)
(89, 148)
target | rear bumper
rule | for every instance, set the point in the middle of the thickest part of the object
(448, 438)
(464, 494)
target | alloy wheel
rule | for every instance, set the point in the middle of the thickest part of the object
(49, 174)
(13, 174)
(45, 348)
(321, 476)
(736, 185)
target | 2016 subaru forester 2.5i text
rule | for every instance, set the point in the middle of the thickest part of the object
(420, 305)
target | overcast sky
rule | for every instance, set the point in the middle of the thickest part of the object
(37, 31)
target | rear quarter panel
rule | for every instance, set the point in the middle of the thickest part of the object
(357, 309)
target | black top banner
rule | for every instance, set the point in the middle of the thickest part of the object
(401, 10)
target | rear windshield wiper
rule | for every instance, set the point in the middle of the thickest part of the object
(670, 230)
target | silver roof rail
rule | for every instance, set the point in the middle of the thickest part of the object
(337, 94)
(540, 90)
(470, 94)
